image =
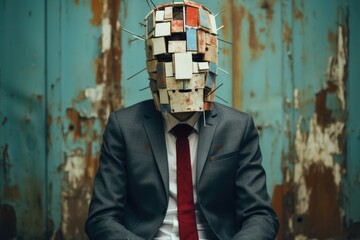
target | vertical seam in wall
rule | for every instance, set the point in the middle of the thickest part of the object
(46, 115)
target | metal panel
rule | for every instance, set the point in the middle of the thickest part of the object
(22, 119)
(54, 107)
(319, 70)
(352, 176)
(80, 100)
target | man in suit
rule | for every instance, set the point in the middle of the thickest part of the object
(181, 166)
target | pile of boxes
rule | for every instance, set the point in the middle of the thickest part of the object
(182, 56)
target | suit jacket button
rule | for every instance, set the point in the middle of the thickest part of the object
(164, 210)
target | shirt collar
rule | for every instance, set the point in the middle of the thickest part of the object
(171, 121)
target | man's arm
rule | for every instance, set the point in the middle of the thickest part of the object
(109, 195)
(255, 215)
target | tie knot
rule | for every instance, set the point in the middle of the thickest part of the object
(182, 130)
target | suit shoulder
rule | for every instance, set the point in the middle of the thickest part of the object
(138, 108)
(134, 113)
(230, 113)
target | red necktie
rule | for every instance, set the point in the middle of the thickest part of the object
(185, 197)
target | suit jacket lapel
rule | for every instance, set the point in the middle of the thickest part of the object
(154, 128)
(206, 134)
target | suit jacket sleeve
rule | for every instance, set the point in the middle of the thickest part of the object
(109, 194)
(255, 215)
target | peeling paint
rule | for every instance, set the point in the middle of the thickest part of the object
(337, 66)
(81, 131)
(296, 99)
(74, 167)
(95, 94)
(268, 5)
(317, 172)
(109, 64)
(319, 146)
(106, 34)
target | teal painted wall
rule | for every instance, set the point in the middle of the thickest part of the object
(23, 117)
(64, 67)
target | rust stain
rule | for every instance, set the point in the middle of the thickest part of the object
(297, 13)
(75, 196)
(225, 30)
(324, 114)
(318, 174)
(81, 96)
(76, 2)
(282, 202)
(75, 124)
(92, 163)
(332, 37)
(39, 98)
(323, 219)
(109, 69)
(11, 193)
(287, 34)
(268, 6)
(277, 203)
(273, 48)
(237, 16)
(74, 211)
(97, 10)
(7, 222)
(49, 120)
(82, 163)
(255, 46)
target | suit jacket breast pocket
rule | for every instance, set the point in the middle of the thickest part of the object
(227, 159)
(220, 172)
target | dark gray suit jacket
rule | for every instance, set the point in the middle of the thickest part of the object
(131, 190)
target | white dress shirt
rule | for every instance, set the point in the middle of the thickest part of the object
(169, 230)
